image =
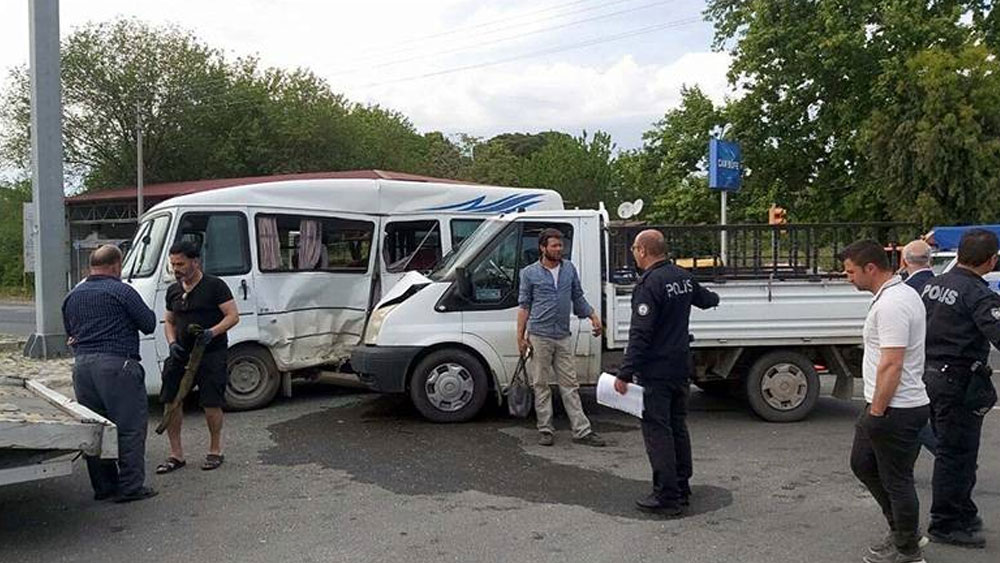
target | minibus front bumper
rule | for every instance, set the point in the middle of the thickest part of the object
(384, 368)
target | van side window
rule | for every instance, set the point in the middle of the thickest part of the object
(462, 229)
(412, 245)
(222, 238)
(296, 243)
(529, 241)
(496, 275)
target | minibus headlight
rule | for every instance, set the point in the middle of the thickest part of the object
(375, 323)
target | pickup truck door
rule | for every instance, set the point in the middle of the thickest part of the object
(491, 314)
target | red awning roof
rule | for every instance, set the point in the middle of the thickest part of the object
(173, 189)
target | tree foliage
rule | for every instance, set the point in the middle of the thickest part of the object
(13, 195)
(822, 80)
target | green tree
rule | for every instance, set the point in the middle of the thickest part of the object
(444, 158)
(493, 163)
(811, 72)
(577, 167)
(13, 194)
(669, 172)
(938, 142)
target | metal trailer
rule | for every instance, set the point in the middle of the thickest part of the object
(42, 432)
(787, 314)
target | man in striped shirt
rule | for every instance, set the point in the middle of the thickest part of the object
(102, 316)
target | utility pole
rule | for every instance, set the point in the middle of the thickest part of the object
(138, 162)
(51, 260)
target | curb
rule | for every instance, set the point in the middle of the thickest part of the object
(12, 346)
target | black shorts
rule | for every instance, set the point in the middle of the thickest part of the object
(211, 379)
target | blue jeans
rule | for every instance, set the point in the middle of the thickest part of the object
(114, 387)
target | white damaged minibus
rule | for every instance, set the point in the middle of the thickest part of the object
(306, 261)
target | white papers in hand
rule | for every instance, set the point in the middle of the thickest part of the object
(630, 402)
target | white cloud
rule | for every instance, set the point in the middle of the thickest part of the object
(619, 86)
(559, 95)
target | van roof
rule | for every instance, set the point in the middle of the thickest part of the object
(373, 197)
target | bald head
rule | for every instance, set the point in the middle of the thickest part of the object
(649, 248)
(106, 261)
(652, 242)
(916, 256)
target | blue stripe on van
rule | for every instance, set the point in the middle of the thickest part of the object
(502, 205)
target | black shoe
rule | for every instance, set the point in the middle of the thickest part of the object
(141, 494)
(976, 524)
(546, 439)
(657, 506)
(105, 496)
(961, 538)
(591, 439)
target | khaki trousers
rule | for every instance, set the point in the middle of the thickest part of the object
(555, 357)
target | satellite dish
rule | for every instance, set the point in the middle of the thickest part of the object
(637, 207)
(626, 210)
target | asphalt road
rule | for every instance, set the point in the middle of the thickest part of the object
(335, 475)
(17, 319)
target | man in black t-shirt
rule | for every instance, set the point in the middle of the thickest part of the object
(204, 300)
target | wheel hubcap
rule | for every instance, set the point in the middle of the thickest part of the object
(784, 386)
(245, 377)
(449, 387)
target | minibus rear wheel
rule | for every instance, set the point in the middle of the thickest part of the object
(449, 386)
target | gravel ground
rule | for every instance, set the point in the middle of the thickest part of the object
(57, 374)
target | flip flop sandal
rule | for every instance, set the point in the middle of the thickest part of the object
(212, 461)
(172, 464)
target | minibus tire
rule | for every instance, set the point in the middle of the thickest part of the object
(254, 380)
(463, 391)
(794, 386)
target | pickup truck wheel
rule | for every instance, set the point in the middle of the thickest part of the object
(782, 387)
(449, 386)
(253, 378)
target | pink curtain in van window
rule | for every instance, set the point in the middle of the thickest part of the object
(310, 243)
(269, 244)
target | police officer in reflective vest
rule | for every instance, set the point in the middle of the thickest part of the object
(658, 355)
(963, 318)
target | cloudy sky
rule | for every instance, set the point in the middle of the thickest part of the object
(475, 66)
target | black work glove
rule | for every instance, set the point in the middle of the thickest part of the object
(205, 337)
(178, 352)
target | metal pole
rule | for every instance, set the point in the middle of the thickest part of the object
(723, 238)
(51, 248)
(138, 163)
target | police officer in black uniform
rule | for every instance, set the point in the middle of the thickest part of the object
(659, 356)
(963, 318)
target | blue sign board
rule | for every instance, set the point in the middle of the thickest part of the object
(724, 170)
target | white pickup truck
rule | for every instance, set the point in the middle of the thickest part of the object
(42, 432)
(785, 314)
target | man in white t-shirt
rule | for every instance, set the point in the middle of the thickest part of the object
(886, 441)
